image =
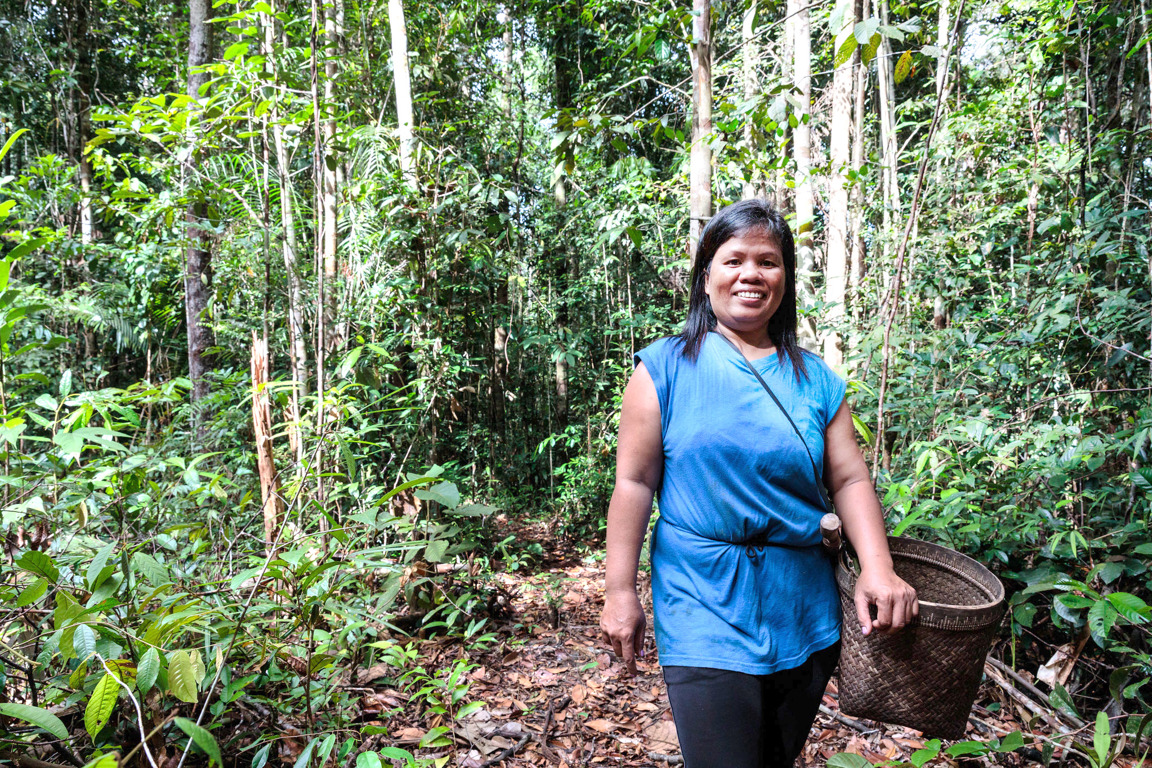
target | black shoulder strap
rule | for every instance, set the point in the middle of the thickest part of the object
(815, 472)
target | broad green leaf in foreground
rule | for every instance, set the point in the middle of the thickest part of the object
(202, 738)
(101, 704)
(41, 718)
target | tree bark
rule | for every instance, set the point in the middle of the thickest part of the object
(403, 85)
(787, 73)
(329, 171)
(805, 202)
(856, 227)
(700, 159)
(749, 57)
(198, 254)
(886, 90)
(272, 501)
(297, 338)
(835, 291)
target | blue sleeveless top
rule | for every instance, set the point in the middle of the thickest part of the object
(739, 578)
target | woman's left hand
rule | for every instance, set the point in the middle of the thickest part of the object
(895, 601)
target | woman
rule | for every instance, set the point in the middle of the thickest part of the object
(746, 609)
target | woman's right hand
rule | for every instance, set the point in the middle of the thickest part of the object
(622, 624)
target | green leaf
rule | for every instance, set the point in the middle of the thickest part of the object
(5, 149)
(921, 756)
(41, 718)
(368, 760)
(25, 248)
(468, 709)
(107, 760)
(84, 642)
(152, 569)
(1102, 738)
(101, 704)
(94, 576)
(863, 34)
(1101, 619)
(39, 564)
(847, 760)
(198, 670)
(398, 754)
(903, 67)
(844, 53)
(633, 235)
(181, 679)
(235, 50)
(436, 551)
(32, 593)
(963, 748)
(1060, 699)
(202, 738)
(1130, 607)
(445, 493)
(147, 671)
(1011, 742)
(260, 759)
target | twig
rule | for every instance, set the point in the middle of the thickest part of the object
(852, 723)
(508, 752)
(139, 711)
(24, 761)
(670, 759)
(1020, 698)
(1030, 688)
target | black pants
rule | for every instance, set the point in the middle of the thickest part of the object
(733, 720)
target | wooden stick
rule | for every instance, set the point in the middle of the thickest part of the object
(1032, 689)
(508, 752)
(1017, 695)
(852, 723)
(670, 759)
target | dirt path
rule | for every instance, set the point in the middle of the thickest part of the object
(553, 696)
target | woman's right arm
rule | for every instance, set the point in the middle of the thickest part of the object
(639, 465)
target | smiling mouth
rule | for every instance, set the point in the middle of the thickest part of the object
(749, 295)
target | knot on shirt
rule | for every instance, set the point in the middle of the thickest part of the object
(754, 547)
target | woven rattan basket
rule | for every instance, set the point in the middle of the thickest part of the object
(926, 676)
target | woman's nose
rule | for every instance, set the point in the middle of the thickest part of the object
(749, 271)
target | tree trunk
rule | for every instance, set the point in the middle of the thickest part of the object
(787, 74)
(805, 203)
(856, 274)
(297, 339)
(82, 25)
(700, 160)
(750, 56)
(328, 171)
(839, 149)
(886, 90)
(197, 255)
(403, 84)
(272, 501)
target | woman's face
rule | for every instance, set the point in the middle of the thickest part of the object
(745, 282)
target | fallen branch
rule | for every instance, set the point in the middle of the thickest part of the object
(508, 752)
(24, 761)
(669, 759)
(1032, 689)
(1037, 709)
(852, 723)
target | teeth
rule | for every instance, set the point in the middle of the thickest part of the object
(749, 295)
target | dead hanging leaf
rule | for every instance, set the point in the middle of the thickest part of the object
(1059, 667)
(578, 694)
(661, 737)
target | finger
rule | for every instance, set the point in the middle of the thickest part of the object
(915, 605)
(898, 616)
(883, 612)
(638, 645)
(617, 648)
(629, 656)
(862, 614)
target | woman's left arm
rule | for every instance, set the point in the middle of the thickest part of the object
(846, 476)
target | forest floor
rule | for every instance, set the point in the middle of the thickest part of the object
(554, 696)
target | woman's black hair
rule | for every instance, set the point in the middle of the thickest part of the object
(738, 219)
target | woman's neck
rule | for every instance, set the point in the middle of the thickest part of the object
(752, 344)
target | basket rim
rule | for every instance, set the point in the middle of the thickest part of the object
(898, 546)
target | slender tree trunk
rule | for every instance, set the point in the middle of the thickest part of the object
(700, 159)
(840, 141)
(886, 90)
(805, 202)
(197, 255)
(788, 75)
(272, 501)
(403, 83)
(84, 86)
(297, 337)
(329, 172)
(750, 57)
(856, 274)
